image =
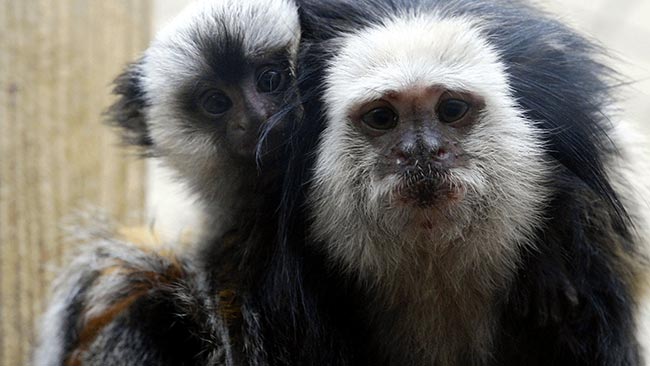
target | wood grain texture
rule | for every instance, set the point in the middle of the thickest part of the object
(57, 61)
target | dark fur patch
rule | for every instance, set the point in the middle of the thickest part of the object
(163, 314)
(571, 302)
(282, 287)
(223, 52)
(73, 312)
(127, 113)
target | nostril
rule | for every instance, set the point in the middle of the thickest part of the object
(401, 157)
(442, 154)
(241, 127)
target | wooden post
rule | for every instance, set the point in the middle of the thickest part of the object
(57, 61)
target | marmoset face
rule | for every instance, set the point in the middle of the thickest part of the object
(214, 79)
(423, 139)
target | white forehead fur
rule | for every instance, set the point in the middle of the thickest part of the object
(263, 25)
(413, 51)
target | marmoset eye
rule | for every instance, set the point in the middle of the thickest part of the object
(272, 79)
(382, 118)
(451, 110)
(215, 102)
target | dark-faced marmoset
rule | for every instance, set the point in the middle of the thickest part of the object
(209, 99)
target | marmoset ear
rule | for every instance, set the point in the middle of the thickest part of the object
(127, 112)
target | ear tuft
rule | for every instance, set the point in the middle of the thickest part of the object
(127, 113)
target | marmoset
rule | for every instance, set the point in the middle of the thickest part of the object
(461, 167)
(210, 99)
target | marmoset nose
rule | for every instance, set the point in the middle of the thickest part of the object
(251, 123)
(431, 151)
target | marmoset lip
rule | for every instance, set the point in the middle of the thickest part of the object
(425, 191)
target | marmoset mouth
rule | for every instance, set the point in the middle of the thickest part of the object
(428, 190)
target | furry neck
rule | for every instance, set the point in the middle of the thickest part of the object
(436, 304)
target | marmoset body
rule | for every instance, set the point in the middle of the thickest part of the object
(471, 182)
(209, 99)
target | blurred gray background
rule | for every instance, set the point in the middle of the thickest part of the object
(623, 27)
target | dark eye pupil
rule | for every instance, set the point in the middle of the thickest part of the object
(452, 110)
(380, 119)
(216, 103)
(270, 80)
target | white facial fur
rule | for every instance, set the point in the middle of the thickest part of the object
(504, 194)
(472, 246)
